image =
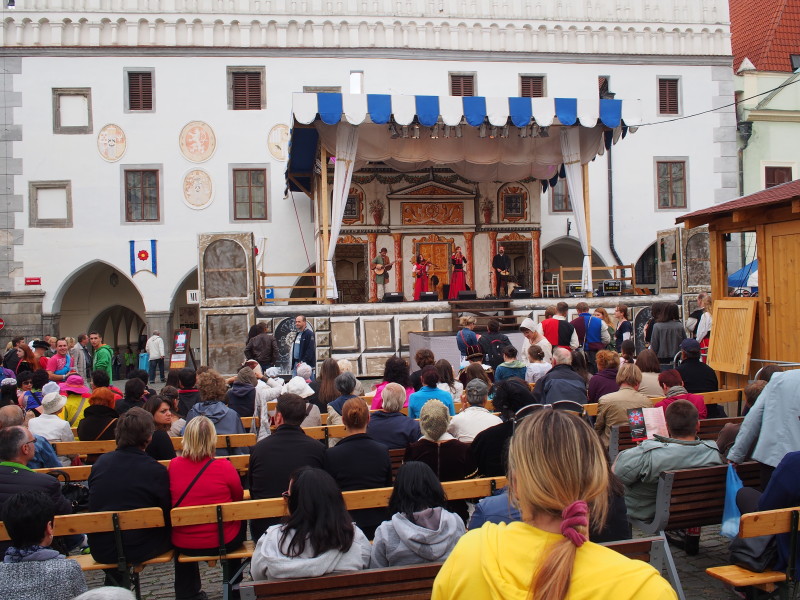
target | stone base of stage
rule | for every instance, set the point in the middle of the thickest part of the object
(367, 334)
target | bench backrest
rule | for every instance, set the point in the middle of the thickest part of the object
(102, 522)
(234, 440)
(767, 522)
(413, 582)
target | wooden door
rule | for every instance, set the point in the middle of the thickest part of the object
(780, 294)
(439, 254)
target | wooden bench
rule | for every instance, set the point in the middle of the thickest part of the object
(227, 441)
(396, 456)
(694, 497)
(111, 522)
(768, 522)
(655, 551)
(620, 438)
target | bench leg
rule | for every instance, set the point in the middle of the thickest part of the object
(661, 559)
(228, 580)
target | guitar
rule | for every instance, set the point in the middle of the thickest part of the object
(381, 269)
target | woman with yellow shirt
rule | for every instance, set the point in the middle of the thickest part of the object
(547, 556)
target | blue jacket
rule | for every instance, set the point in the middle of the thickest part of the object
(465, 337)
(494, 509)
(593, 327)
(308, 353)
(418, 399)
(44, 456)
(226, 421)
(393, 430)
(783, 491)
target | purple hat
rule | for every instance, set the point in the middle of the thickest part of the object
(74, 385)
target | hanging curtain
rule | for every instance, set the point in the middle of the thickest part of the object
(571, 151)
(346, 145)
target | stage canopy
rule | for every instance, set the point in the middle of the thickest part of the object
(480, 138)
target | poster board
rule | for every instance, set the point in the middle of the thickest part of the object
(733, 324)
(182, 355)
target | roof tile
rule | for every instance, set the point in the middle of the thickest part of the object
(766, 32)
(778, 194)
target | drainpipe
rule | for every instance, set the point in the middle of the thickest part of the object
(611, 211)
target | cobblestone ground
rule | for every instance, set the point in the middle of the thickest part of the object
(157, 581)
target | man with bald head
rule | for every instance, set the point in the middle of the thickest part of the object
(44, 456)
(560, 382)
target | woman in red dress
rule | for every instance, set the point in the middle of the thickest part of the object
(458, 281)
(420, 272)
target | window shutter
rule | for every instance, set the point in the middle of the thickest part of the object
(532, 86)
(246, 90)
(668, 96)
(462, 85)
(140, 91)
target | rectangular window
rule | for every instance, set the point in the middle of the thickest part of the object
(531, 86)
(776, 175)
(462, 84)
(559, 197)
(140, 91)
(668, 96)
(795, 60)
(72, 110)
(250, 194)
(141, 195)
(671, 184)
(50, 203)
(246, 88)
(604, 87)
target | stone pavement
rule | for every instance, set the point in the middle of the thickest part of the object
(157, 581)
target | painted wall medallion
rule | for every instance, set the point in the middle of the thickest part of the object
(198, 189)
(111, 142)
(197, 141)
(278, 142)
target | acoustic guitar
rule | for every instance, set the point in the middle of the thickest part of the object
(381, 269)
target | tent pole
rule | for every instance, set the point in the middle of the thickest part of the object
(587, 212)
(325, 208)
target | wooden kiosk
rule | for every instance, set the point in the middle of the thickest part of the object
(763, 226)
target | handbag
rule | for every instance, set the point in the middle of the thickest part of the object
(191, 484)
(75, 493)
(731, 513)
(756, 554)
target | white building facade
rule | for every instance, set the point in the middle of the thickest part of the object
(87, 170)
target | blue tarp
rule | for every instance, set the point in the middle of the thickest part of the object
(747, 276)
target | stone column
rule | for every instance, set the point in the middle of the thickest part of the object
(159, 321)
(398, 267)
(492, 252)
(372, 252)
(536, 275)
(468, 239)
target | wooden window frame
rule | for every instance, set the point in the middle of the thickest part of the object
(458, 80)
(560, 211)
(234, 74)
(671, 192)
(250, 168)
(131, 106)
(71, 129)
(532, 83)
(128, 217)
(773, 169)
(669, 96)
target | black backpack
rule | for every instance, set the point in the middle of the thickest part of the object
(494, 352)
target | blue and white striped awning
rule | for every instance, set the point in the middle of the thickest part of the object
(471, 110)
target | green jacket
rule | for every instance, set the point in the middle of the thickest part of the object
(639, 469)
(102, 360)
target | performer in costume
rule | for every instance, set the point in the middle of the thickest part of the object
(458, 281)
(381, 267)
(501, 263)
(420, 272)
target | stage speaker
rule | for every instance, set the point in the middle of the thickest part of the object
(393, 297)
(521, 293)
(467, 295)
(428, 297)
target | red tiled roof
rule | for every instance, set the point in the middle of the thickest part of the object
(778, 194)
(766, 32)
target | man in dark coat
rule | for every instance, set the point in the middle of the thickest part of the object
(560, 382)
(501, 263)
(263, 348)
(275, 458)
(128, 479)
(304, 347)
(698, 377)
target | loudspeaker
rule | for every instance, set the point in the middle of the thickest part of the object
(467, 295)
(521, 293)
(393, 297)
(428, 297)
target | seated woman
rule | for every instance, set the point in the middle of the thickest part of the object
(317, 537)
(197, 478)
(449, 459)
(99, 421)
(447, 380)
(421, 529)
(559, 489)
(536, 367)
(605, 381)
(160, 447)
(212, 389)
(510, 367)
(389, 426)
(358, 462)
(345, 384)
(298, 386)
(394, 371)
(30, 567)
(647, 361)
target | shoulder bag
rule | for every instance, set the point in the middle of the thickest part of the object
(191, 485)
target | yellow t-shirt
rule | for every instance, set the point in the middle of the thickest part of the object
(498, 562)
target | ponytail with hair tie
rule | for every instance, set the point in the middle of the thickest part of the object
(575, 515)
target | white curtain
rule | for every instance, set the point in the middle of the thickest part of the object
(344, 165)
(571, 151)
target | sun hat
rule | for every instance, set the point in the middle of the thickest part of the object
(53, 403)
(297, 385)
(75, 385)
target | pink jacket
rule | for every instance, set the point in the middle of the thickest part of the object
(377, 401)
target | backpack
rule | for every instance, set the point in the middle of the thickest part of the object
(494, 353)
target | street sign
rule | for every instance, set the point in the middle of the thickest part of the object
(193, 296)
(33, 281)
(2, 323)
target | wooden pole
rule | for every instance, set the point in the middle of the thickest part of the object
(325, 208)
(585, 167)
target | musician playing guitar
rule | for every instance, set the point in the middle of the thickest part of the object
(501, 263)
(381, 267)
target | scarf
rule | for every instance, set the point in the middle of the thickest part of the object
(676, 390)
(30, 553)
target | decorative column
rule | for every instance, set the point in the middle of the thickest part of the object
(372, 252)
(398, 266)
(536, 275)
(492, 252)
(468, 238)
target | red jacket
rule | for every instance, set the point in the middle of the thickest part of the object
(219, 483)
(695, 399)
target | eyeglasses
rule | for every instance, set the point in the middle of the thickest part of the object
(33, 441)
(286, 495)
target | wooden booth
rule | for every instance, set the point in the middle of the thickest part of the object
(755, 280)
